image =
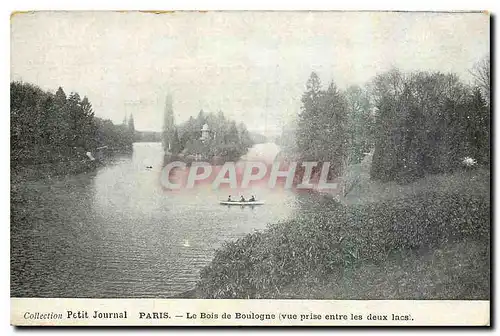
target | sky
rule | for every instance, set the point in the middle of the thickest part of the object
(253, 66)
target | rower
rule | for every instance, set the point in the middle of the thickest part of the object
(229, 199)
(252, 199)
(242, 199)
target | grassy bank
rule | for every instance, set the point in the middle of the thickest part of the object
(64, 166)
(44, 170)
(429, 245)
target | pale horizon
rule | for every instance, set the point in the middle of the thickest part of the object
(246, 64)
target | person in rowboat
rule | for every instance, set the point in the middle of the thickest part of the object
(229, 199)
(252, 199)
(242, 199)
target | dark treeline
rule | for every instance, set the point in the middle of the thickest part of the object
(225, 137)
(415, 123)
(147, 136)
(208, 135)
(334, 126)
(434, 232)
(427, 123)
(50, 128)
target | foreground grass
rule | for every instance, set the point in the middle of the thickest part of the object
(455, 271)
(430, 245)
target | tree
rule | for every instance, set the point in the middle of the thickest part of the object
(131, 124)
(244, 137)
(168, 124)
(322, 126)
(87, 107)
(60, 98)
(478, 130)
(334, 143)
(388, 91)
(76, 120)
(131, 129)
(232, 136)
(228, 140)
(481, 73)
(426, 123)
(360, 123)
(48, 127)
(176, 145)
(60, 128)
(187, 132)
(309, 121)
(201, 119)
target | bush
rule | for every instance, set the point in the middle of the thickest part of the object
(333, 237)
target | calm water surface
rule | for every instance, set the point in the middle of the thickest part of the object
(116, 233)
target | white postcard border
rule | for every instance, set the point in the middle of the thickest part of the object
(198, 312)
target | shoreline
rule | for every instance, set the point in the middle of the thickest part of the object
(411, 246)
(20, 173)
(31, 172)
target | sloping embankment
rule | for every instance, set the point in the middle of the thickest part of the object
(425, 244)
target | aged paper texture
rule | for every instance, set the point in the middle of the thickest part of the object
(250, 168)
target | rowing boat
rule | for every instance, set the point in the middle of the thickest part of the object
(241, 203)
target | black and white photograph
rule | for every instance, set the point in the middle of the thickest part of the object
(249, 155)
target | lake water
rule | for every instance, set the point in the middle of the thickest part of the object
(117, 233)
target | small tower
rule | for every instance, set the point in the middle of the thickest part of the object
(205, 133)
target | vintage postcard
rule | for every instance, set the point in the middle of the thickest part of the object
(247, 168)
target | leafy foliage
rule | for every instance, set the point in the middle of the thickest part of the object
(48, 127)
(334, 126)
(317, 244)
(169, 128)
(226, 138)
(426, 123)
(482, 74)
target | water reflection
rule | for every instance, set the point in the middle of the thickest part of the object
(119, 233)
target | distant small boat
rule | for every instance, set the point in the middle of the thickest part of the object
(242, 203)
